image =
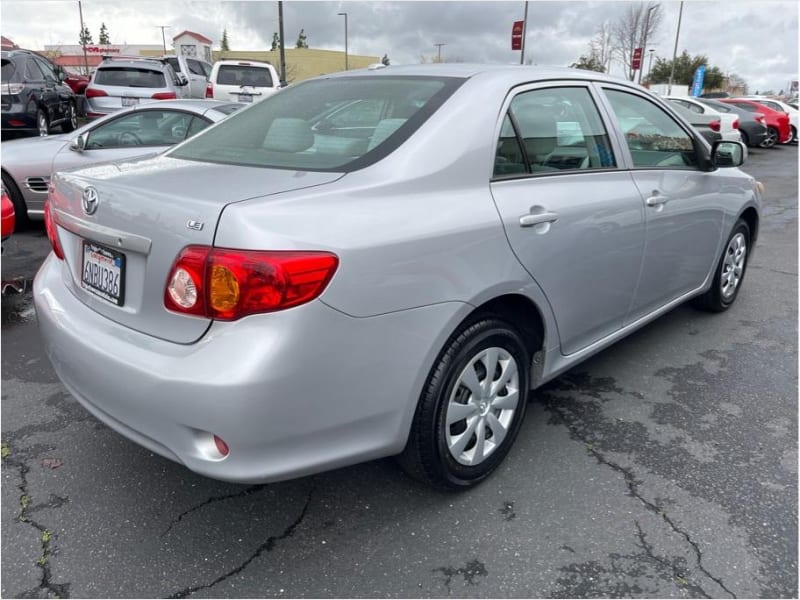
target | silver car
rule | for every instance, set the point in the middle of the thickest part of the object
(144, 129)
(121, 82)
(265, 301)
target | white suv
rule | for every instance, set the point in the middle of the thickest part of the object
(242, 81)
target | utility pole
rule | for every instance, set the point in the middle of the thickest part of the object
(439, 55)
(281, 46)
(346, 64)
(524, 35)
(163, 39)
(83, 40)
(675, 51)
(650, 64)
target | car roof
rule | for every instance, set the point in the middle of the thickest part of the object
(155, 64)
(486, 72)
(193, 104)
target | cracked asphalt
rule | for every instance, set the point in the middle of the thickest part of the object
(666, 466)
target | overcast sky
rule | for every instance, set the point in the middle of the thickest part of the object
(755, 39)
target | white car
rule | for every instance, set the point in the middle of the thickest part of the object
(729, 122)
(780, 107)
(242, 81)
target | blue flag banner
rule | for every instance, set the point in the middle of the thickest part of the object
(697, 84)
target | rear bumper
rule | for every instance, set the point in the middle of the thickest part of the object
(291, 393)
(16, 118)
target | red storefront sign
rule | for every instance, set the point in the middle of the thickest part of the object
(516, 35)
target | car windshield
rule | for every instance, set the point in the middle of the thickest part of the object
(337, 124)
(130, 77)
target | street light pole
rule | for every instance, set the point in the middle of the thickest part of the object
(650, 64)
(439, 46)
(524, 34)
(83, 40)
(282, 54)
(675, 52)
(346, 65)
(644, 42)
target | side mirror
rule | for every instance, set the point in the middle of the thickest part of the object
(728, 154)
(79, 143)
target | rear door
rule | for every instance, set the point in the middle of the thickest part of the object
(572, 215)
(197, 78)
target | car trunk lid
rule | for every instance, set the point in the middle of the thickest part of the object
(143, 213)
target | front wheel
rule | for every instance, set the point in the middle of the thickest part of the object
(471, 408)
(730, 271)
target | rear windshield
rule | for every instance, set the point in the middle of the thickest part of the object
(8, 70)
(130, 77)
(338, 124)
(244, 75)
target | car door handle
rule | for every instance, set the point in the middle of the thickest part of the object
(656, 200)
(530, 220)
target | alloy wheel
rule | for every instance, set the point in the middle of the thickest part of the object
(771, 139)
(733, 265)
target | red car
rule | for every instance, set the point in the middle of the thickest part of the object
(78, 83)
(7, 215)
(778, 129)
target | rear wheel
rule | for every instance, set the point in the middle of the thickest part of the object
(771, 139)
(471, 408)
(42, 124)
(793, 139)
(20, 209)
(745, 139)
(730, 271)
(71, 119)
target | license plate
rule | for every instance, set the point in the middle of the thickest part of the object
(245, 97)
(129, 101)
(103, 272)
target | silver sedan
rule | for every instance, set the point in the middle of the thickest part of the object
(146, 129)
(381, 263)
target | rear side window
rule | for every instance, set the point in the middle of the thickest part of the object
(747, 107)
(130, 77)
(195, 67)
(558, 129)
(244, 75)
(338, 124)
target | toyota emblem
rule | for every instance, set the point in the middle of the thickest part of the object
(90, 200)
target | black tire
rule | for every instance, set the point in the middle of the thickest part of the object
(745, 139)
(71, 120)
(42, 123)
(427, 456)
(21, 220)
(793, 139)
(721, 296)
(772, 138)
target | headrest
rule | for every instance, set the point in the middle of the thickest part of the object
(289, 135)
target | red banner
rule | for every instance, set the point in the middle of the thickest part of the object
(636, 63)
(516, 35)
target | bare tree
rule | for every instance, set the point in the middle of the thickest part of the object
(601, 47)
(634, 28)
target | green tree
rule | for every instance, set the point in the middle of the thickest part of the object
(589, 63)
(685, 66)
(103, 39)
(385, 60)
(223, 45)
(85, 38)
(301, 40)
(276, 41)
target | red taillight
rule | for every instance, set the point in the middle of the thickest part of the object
(221, 283)
(736, 123)
(164, 96)
(16, 123)
(209, 90)
(714, 125)
(52, 233)
(94, 93)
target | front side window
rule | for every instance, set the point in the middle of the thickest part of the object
(654, 138)
(143, 128)
(298, 128)
(554, 129)
(130, 77)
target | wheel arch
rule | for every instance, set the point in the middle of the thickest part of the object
(750, 216)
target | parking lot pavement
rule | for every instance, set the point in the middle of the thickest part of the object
(666, 466)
